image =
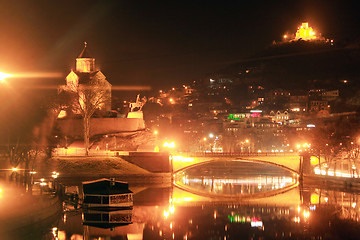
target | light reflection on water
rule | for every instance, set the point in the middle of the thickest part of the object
(196, 219)
(235, 178)
(166, 212)
(238, 186)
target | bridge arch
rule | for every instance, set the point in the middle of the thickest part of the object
(290, 162)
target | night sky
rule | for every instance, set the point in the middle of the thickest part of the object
(157, 43)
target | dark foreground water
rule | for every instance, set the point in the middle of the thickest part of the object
(223, 200)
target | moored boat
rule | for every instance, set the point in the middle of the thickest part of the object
(107, 194)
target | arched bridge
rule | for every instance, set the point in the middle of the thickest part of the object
(289, 161)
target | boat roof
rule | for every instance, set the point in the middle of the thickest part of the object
(105, 186)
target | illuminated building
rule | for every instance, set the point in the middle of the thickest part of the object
(305, 32)
(85, 75)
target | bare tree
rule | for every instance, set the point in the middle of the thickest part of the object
(93, 96)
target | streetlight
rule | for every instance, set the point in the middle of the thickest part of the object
(54, 176)
(170, 145)
(3, 76)
(248, 142)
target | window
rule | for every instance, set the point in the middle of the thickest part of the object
(92, 199)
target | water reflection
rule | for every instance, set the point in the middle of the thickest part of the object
(107, 219)
(169, 212)
(317, 213)
(235, 179)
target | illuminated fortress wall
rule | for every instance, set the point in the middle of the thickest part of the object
(74, 127)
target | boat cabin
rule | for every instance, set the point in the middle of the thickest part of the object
(107, 194)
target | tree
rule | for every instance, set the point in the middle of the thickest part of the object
(88, 98)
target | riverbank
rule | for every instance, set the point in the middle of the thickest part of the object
(99, 167)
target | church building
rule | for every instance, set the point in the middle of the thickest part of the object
(87, 77)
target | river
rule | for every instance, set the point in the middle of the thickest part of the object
(222, 200)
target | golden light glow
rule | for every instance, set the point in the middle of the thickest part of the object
(62, 114)
(131, 88)
(166, 214)
(39, 75)
(182, 159)
(14, 169)
(307, 145)
(180, 199)
(172, 209)
(55, 174)
(169, 144)
(305, 32)
(306, 214)
(4, 75)
(314, 160)
(314, 199)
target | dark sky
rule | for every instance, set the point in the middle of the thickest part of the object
(157, 43)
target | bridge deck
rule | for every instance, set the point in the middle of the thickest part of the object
(285, 160)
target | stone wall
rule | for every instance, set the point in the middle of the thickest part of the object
(74, 127)
(156, 162)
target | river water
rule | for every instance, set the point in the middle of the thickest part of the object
(221, 200)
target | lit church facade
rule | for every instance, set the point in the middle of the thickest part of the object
(86, 76)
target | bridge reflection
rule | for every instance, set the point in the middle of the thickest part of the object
(301, 212)
(236, 179)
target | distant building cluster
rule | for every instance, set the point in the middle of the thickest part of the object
(238, 115)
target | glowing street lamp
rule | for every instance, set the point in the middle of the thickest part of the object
(42, 182)
(3, 76)
(169, 144)
(55, 174)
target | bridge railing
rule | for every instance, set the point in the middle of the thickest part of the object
(236, 154)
